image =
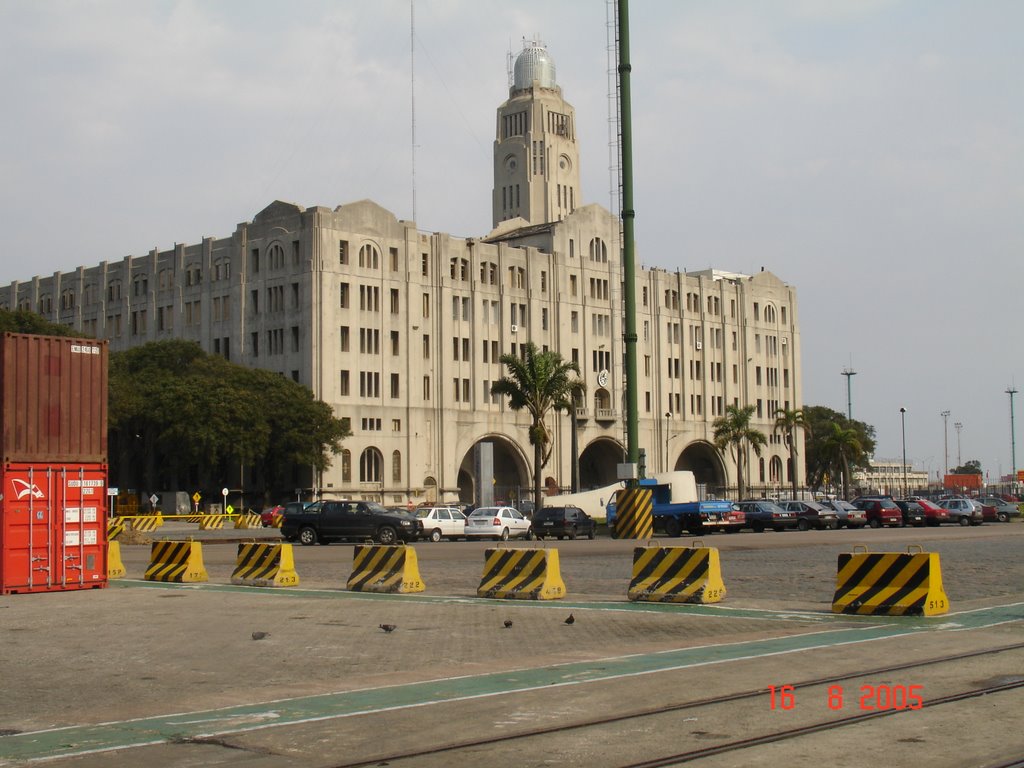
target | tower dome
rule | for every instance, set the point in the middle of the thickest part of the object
(534, 63)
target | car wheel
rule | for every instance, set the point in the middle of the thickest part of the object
(504, 535)
(386, 535)
(673, 528)
(435, 535)
(1003, 517)
(307, 536)
(592, 533)
(875, 523)
(833, 525)
(530, 535)
(803, 525)
(964, 520)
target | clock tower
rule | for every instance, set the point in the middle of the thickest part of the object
(536, 158)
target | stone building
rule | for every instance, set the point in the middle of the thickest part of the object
(401, 330)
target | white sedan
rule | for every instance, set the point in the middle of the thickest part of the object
(499, 523)
(442, 523)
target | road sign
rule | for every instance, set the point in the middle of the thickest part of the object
(154, 499)
(230, 510)
(196, 497)
(112, 491)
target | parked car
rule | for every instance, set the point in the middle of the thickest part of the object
(963, 511)
(761, 514)
(499, 523)
(441, 523)
(327, 521)
(913, 512)
(270, 514)
(811, 514)
(849, 516)
(880, 511)
(1002, 509)
(733, 522)
(934, 514)
(568, 521)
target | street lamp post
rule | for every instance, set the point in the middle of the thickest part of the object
(849, 373)
(574, 448)
(668, 424)
(958, 426)
(903, 423)
(945, 441)
(1011, 391)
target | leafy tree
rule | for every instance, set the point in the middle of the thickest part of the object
(179, 417)
(972, 467)
(788, 422)
(819, 462)
(733, 431)
(840, 448)
(23, 321)
(538, 382)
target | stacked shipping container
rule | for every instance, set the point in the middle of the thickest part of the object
(53, 476)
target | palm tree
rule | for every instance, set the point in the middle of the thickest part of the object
(538, 382)
(840, 447)
(733, 431)
(787, 422)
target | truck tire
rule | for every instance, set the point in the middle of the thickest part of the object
(673, 528)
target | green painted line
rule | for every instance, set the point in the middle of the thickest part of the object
(88, 739)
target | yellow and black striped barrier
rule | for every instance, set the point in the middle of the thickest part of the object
(115, 527)
(248, 520)
(385, 568)
(212, 522)
(176, 561)
(277, 520)
(526, 574)
(265, 565)
(147, 522)
(676, 575)
(634, 514)
(890, 584)
(194, 518)
(115, 566)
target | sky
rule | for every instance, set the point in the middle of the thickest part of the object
(867, 152)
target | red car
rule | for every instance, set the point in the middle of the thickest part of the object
(269, 515)
(934, 514)
(880, 511)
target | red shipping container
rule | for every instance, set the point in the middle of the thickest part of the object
(54, 406)
(53, 527)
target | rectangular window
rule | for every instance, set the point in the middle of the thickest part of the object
(426, 346)
(394, 259)
(344, 296)
(343, 252)
(426, 388)
(343, 335)
(395, 389)
(395, 344)
(394, 301)
(344, 383)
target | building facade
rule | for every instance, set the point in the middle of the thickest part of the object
(401, 331)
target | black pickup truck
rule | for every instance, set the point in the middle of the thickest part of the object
(327, 521)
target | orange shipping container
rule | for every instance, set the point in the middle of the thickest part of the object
(53, 527)
(54, 392)
(959, 482)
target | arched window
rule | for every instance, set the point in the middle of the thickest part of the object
(370, 466)
(760, 465)
(598, 250)
(769, 314)
(369, 257)
(775, 470)
(396, 467)
(346, 465)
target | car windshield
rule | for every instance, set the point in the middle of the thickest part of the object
(887, 504)
(374, 508)
(840, 504)
(423, 512)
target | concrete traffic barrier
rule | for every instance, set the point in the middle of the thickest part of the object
(524, 574)
(385, 568)
(676, 575)
(115, 527)
(890, 584)
(634, 514)
(176, 561)
(248, 520)
(115, 566)
(265, 565)
(147, 522)
(212, 522)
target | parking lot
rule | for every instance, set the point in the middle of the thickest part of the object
(143, 673)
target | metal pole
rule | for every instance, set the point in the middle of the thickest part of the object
(1011, 391)
(903, 424)
(628, 254)
(668, 425)
(945, 442)
(849, 373)
(575, 449)
(958, 426)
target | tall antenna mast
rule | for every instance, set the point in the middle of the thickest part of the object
(412, 96)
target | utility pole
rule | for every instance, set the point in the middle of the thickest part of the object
(945, 442)
(1011, 391)
(958, 426)
(849, 373)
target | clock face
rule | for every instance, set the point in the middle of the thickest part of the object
(602, 379)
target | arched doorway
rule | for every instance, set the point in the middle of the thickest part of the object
(704, 461)
(511, 472)
(598, 463)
